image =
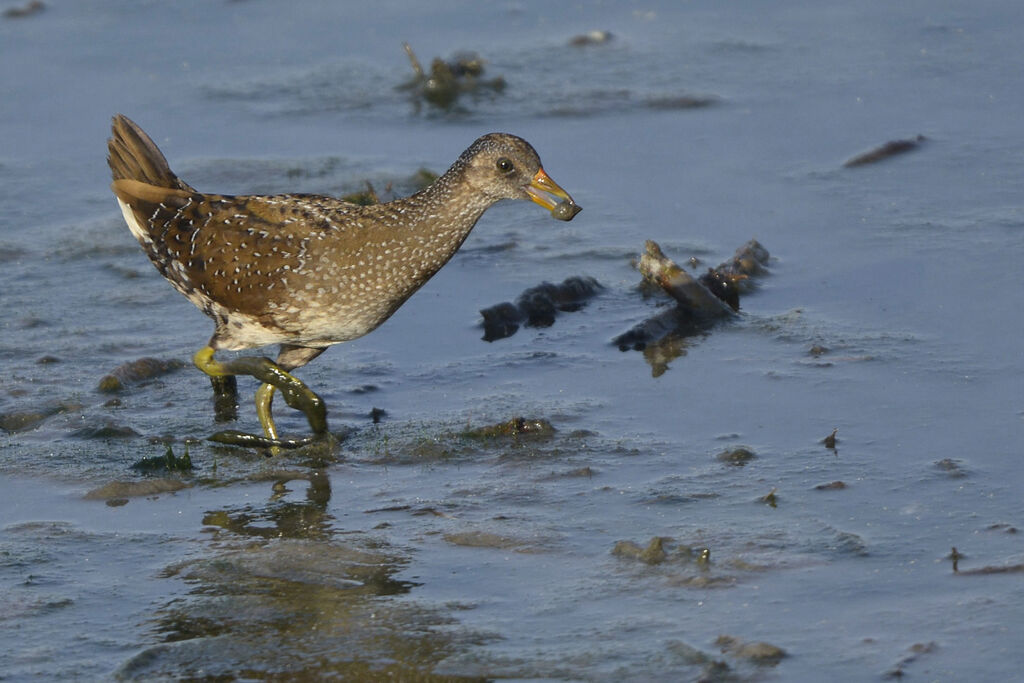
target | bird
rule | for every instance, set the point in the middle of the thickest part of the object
(307, 271)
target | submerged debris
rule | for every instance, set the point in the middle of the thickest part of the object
(516, 427)
(738, 456)
(830, 441)
(447, 81)
(33, 7)
(712, 671)
(486, 539)
(670, 102)
(167, 462)
(915, 651)
(955, 555)
(712, 296)
(134, 489)
(106, 431)
(952, 467)
(23, 420)
(137, 371)
(691, 294)
(889, 149)
(591, 38)
(654, 553)
(538, 306)
(758, 652)
(663, 549)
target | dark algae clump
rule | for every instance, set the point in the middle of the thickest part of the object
(168, 462)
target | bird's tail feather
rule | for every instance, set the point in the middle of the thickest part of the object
(132, 155)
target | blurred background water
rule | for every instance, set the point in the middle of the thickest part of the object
(892, 313)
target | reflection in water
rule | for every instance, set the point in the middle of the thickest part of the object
(285, 594)
(281, 518)
(662, 352)
(663, 338)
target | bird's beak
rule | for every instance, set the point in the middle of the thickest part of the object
(546, 192)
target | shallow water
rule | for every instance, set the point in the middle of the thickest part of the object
(415, 550)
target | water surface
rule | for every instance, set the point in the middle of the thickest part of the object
(414, 550)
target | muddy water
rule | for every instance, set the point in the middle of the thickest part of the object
(891, 313)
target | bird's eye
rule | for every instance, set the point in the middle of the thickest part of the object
(504, 165)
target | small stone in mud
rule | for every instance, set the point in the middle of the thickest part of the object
(830, 441)
(22, 420)
(484, 539)
(654, 553)
(681, 102)
(831, 486)
(692, 655)
(916, 650)
(951, 467)
(108, 430)
(847, 543)
(585, 471)
(591, 38)
(517, 426)
(738, 456)
(135, 489)
(137, 371)
(110, 384)
(33, 7)
(889, 149)
(661, 549)
(758, 653)
(19, 421)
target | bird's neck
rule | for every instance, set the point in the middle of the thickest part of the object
(444, 213)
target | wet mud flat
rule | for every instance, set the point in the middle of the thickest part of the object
(821, 483)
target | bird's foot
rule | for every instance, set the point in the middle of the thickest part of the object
(225, 398)
(296, 394)
(233, 437)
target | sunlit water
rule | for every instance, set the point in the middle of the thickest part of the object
(414, 550)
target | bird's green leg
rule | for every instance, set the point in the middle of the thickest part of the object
(264, 398)
(295, 393)
(225, 398)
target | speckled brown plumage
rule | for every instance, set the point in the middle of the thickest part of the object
(304, 269)
(307, 271)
